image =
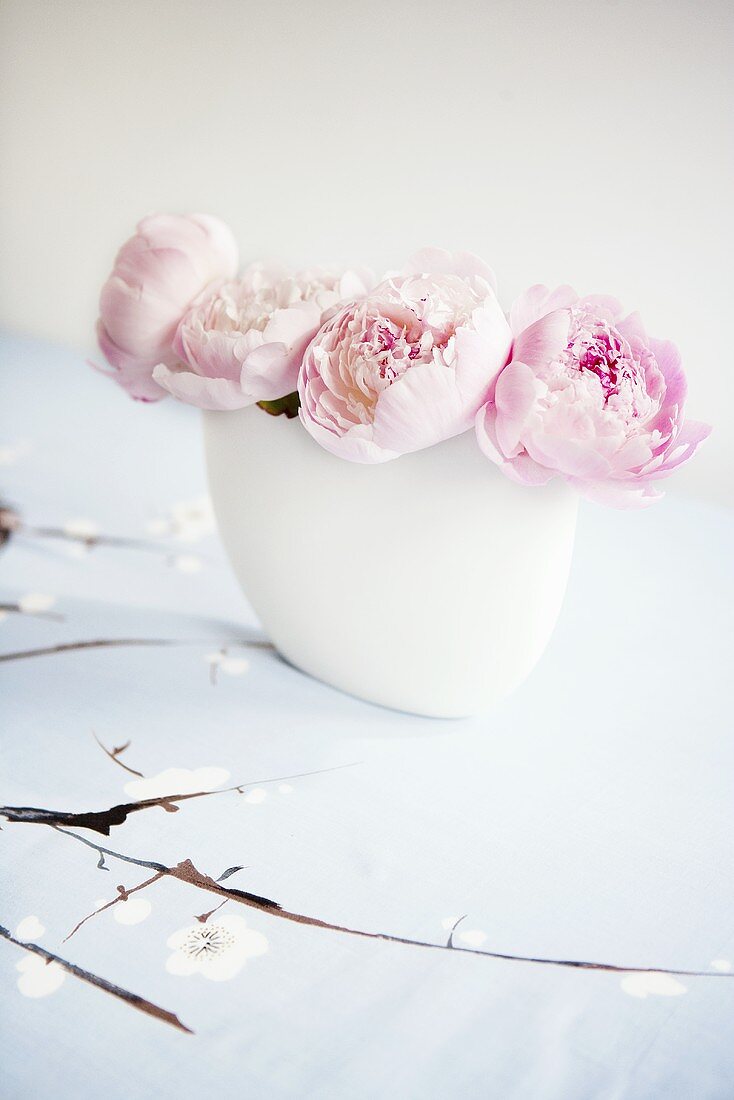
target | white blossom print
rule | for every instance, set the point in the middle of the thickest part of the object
(132, 911)
(187, 521)
(232, 666)
(39, 978)
(81, 528)
(216, 949)
(35, 603)
(30, 929)
(177, 781)
(652, 984)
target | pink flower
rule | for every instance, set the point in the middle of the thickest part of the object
(410, 364)
(171, 259)
(588, 396)
(245, 341)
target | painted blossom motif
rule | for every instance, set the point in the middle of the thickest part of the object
(244, 342)
(10, 453)
(256, 796)
(81, 528)
(410, 364)
(188, 563)
(132, 910)
(470, 937)
(168, 263)
(128, 909)
(187, 520)
(36, 603)
(176, 781)
(39, 978)
(29, 929)
(588, 396)
(221, 661)
(216, 949)
(652, 984)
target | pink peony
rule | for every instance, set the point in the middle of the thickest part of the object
(588, 396)
(171, 259)
(245, 341)
(410, 364)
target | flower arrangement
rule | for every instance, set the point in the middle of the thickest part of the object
(561, 386)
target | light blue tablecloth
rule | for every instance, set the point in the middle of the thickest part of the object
(588, 818)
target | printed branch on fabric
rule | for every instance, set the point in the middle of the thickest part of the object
(101, 821)
(186, 872)
(226, 943)
(79, 533)
(133, 999)
(113, 643)
(115, 754)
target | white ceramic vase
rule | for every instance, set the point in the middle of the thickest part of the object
(430, 583)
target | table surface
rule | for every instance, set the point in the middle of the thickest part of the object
(376, 863)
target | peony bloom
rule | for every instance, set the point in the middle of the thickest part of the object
(589, 396)
(245, 341)
(157, 274)
(410, 364)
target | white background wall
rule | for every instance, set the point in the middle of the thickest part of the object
(564, 141)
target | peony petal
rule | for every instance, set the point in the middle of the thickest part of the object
(526, 471)
(482, 350)
(515, 394)
(631, 327)
(536, 302)
(157, 274)
(617, 494)
(601, 304)
(485, 427)
(635, 452)
(355, 445)
(438, 261)
(221, 244)
(355, 283)
(271, 371)
(139, 323)
(567, 456)
(680, 450)
(521, 468)
(420, 409)
(293, 326)
(543, 340)
(218, 394)
(668, 359)
(211, 354)
(133, 375)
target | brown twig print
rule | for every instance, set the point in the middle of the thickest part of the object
(122, 895)
(186, 872)
(133, 999)
(11, 523)
(16, 609)
(113, 643)
(101, 821)
(204, 917)
(115, 753)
